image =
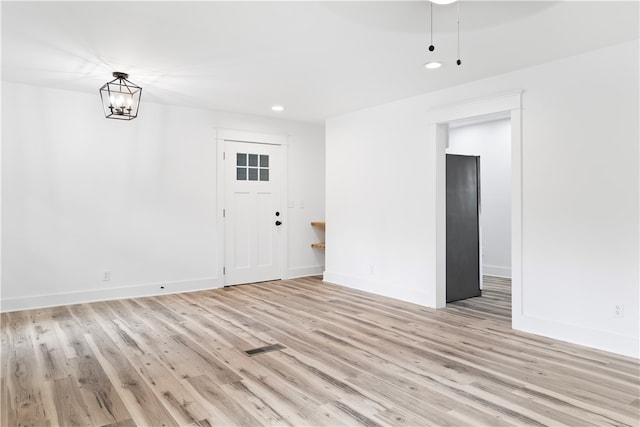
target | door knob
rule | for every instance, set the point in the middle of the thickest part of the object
(278, 222)
(277, 213)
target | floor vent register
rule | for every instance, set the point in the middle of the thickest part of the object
(265, 349)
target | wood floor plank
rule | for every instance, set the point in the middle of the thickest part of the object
(264, 411)
(26, 399)
(70, 407)
(50, 352)
(327, 415)
(349, 358)
(180, 403)
(98, 392)
(144, 407)
(5, 350)
(225, 407)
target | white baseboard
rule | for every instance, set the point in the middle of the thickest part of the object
(594, 338)
(494, 270)
(105, 294)
(416, 296)
(293, 273)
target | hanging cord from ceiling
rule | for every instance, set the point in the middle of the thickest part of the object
(458, 13)
(431, 46)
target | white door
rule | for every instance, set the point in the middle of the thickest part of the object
(253, 218)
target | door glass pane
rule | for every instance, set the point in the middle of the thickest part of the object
(241, 159)
(241, 174)
(264, 174)
(253, 174)
(264, 160)
(253, 160)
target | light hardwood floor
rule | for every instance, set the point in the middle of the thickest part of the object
(351, 358)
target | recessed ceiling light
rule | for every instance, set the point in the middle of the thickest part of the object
(277, 108)
(443, 1)
(433, 65)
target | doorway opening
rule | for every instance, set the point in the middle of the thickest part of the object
(509, 105)
(478, 243)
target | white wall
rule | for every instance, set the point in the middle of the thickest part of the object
(82, 194)
(492, 142)
(580, 191)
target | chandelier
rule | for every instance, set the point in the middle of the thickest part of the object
(120, 98)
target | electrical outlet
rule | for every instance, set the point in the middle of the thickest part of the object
(106, 276)
(619, 311)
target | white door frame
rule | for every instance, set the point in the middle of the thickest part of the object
(438, 132)
(223, 135)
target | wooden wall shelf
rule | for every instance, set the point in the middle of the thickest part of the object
(319, 224)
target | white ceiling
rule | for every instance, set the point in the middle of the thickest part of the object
(318, 59)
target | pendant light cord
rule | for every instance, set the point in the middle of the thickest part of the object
(431, 46)
(458, 12)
